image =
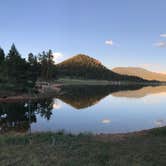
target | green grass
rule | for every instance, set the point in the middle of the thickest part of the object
(60, 149)
(84, 81)
(68, 81)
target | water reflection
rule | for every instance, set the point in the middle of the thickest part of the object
(106, 121)
(119, 115)
(139, 93)
(56, 105)
(16, 116)
(84, 96)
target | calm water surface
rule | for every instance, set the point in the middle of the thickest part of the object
(96, 109)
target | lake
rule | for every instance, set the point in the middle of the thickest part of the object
(94, 109)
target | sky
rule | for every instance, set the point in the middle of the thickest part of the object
(116, 32)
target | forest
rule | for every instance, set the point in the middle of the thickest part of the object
(17, 73)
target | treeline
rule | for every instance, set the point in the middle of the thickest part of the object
(20, 74)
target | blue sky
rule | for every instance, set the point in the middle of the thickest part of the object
(117, 32)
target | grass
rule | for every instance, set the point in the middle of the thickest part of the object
(61, 149)
(69, 81)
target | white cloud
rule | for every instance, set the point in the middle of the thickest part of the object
(159, 123)
(109, 42)
(163, 35)
(150, 65)
(147, 65)
(160, 44)
(58, 57)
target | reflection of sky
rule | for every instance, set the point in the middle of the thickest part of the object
(56, 104)
(119, 115)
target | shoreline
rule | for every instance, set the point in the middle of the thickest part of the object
(53, 88)
(144, 132)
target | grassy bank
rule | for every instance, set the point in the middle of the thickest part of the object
(136, 149)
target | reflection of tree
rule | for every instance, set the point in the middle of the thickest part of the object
(16, 116)
(45, 109)
(85, 96)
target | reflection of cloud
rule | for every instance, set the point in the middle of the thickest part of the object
(3, 116)
(156, 98)
(160, 123)
(56, 104)
(106, 121)
(151, 101)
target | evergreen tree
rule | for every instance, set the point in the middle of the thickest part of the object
(33, 68)
(2, 56)
(16, 68)
(47, 65)
(32, 60)
(50, 66)
(43, 65)
(2, 65)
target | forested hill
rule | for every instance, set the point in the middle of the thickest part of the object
(84, 67)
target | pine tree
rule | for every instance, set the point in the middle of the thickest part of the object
(47, 65)
(50, 66)
(33, 68)
(2, 56)
(16, 68)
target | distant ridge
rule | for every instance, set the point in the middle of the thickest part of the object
(140, 72)
(84, 67)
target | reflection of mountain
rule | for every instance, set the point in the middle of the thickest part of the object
(85, 96)
(140, 92)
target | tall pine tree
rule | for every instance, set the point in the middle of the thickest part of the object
(2, 56)
(16, 68)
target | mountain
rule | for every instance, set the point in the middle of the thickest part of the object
(140, 72)
(84, 67)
